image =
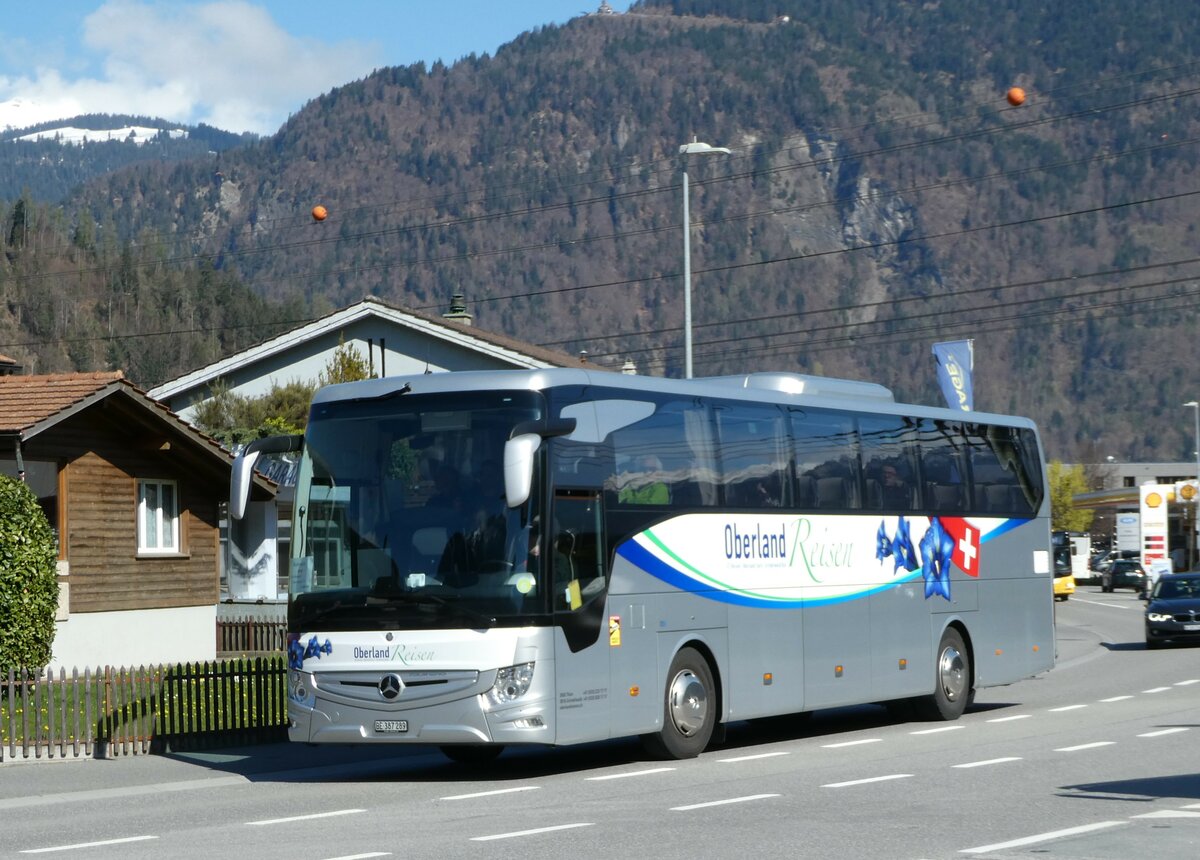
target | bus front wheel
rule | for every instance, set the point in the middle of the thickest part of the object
(952, 680)
(689, 709)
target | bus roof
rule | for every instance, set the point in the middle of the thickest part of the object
(775, 387)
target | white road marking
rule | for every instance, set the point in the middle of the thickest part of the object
(1043, 837)
(1169, 813)
(1116, 699)
(753, 757)
(129, 791)
(1102, 603)
(490, 793)
(534, 832)
(1091, 746)
(722, 802)
(852, 743)
(303, 817)
(1162, 732)
(990, 761)
(363, 856)
(1187, 683)
(1066, 708)
(865, 781)
(1010, 719)
(88, 844)
(634, 773)
(1156, 690)
(938, 730)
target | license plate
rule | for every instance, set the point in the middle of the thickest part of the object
(391, 726)
(1190, 627)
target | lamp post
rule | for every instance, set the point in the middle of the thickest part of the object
(693, 148)
(1196, 499)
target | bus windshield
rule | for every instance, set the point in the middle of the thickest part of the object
(401, 516)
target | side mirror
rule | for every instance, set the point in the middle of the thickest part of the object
(518, 467)
(243, 468)
(239, 483)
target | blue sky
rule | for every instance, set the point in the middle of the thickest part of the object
(241, 65)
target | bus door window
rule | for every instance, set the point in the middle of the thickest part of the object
(576, 546)
(754, 456)
(942, 465)
(827, 460)
(576, 543)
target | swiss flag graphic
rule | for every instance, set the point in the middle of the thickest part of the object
(966, 544)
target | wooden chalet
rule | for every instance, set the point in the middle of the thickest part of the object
(133, 494)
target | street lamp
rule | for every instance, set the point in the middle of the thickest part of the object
(1196, 500)
(693, 148)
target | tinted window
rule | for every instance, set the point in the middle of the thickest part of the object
(827, 465)
(666, 459)
(892, 476)
(943, 467)
(754, 456)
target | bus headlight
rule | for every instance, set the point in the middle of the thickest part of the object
(297, 689)
(511, 684)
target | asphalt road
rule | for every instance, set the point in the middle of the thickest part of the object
(1099, 758)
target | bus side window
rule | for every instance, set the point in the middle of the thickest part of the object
(827, 459)
(754, 456)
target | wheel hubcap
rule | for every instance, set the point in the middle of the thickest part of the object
(952, 671)
(687, 703)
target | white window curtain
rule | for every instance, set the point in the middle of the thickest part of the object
(158, 516)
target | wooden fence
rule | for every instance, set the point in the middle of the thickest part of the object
(250, 636)
(130, 711)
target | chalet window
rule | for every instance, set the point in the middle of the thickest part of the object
(158, 517)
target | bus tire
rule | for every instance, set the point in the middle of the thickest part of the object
(952, 680)
(475, 755)
(689, 709)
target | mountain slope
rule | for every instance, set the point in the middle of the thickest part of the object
(880, 196)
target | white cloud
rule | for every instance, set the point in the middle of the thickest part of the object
(225, 63)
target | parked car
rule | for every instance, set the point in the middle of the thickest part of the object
(1173, 609)
(1124, 573)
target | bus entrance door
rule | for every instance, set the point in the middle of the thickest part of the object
(581, 654)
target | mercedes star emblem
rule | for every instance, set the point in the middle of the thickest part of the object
(390, 686)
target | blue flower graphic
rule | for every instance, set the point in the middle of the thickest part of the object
(937, 550)
(298, 653)
(883, 543)
(902, 547)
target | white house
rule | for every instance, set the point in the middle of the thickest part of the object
(395, 341)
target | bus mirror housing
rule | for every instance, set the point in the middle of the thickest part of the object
(518, 467)
(243, 468)
(524, 442)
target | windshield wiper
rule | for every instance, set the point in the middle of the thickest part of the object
(433, 600)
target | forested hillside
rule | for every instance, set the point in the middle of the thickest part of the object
(880, 195)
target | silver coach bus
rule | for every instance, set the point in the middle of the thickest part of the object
(557, 556)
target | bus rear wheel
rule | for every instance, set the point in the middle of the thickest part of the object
(689, 709)
(952, 681)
